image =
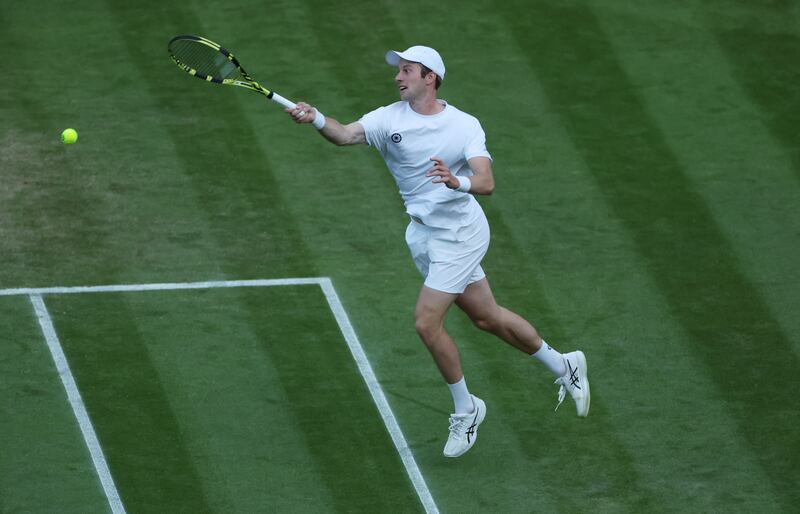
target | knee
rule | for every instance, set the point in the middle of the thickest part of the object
(487, 324)
(426, 328)
(492, 320)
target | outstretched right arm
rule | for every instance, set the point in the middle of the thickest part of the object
(333, 131)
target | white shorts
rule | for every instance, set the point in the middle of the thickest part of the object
(449, 259)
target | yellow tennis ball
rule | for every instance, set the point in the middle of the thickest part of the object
(69, 136)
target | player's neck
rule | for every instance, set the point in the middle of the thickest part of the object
(427, 105)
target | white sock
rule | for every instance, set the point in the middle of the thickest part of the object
(552, 359)
(461, 397)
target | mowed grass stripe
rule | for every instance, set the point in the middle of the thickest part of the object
(740, 168)
(767, 67)
(72, 218)
(108, 209)
(258, 455)
(343, 200)
(766, 64)
(62, 218)
(364, 79)
(230, 176)
(686, 252)
(43, 215)
(44, 465)
(135, 423)
(520, 389)
(229, 403)
(590, 271)
(606, 303)
(358, 463)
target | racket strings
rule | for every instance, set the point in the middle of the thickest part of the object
(204, 59)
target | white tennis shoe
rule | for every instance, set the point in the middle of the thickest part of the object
(576, 382)
(464, 429)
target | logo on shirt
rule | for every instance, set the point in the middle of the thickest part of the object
(396, 138)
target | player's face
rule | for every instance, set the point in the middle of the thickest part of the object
(409, 80)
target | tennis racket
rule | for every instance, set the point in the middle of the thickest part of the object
(208, 61)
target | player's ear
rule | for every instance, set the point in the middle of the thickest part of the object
(430, 78)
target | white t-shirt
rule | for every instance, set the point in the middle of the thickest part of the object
(407, 140)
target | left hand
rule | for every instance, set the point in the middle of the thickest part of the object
(442, 174)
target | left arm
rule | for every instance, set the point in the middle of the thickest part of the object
(482, 179)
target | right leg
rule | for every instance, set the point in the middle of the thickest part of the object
(432, 305)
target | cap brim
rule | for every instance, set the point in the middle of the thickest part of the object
(393, 58)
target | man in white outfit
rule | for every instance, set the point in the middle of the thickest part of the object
(438, 157)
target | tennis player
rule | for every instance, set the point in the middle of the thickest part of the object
(438, 157)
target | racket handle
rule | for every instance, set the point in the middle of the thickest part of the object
(275, 97)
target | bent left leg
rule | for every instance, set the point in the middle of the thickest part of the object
(478, 302)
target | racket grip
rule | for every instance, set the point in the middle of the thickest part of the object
(281, 100)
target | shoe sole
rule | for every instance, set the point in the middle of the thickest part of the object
(481, 415)
(587, 394)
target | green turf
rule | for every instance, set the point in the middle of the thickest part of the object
(44, 464)
(251, 401)
(646, 158)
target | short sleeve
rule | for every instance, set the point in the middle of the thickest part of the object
(375, 127)
(476, 142)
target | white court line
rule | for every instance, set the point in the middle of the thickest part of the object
(160, 287)
(378, 397)
(78, 408)
(335, 304)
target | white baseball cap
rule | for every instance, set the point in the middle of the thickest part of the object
(421, 54)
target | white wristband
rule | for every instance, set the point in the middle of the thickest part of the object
(319, 120)
(464, 184)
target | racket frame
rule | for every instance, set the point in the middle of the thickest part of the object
(248, 81)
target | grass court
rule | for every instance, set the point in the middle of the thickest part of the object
(647, 160)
